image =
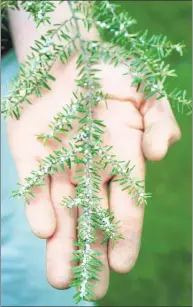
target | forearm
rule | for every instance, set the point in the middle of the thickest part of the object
(24, 30)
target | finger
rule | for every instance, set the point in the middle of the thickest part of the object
(103, 276)
(39, 212)
(124, 254)
(161, 128)
(60, 246)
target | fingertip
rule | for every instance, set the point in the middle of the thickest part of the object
(176, 135)
(154, 149)
(121, 263)
(58, 265)
(100, 292)
(41, 218)
(120, 269)
(44, 231)
(159, 136)
(58, 282)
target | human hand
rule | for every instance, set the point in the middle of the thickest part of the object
(137, 129)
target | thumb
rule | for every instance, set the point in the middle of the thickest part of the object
(161, 129)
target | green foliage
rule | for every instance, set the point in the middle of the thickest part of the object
(34, 73)
(144, 58)
(38, 9)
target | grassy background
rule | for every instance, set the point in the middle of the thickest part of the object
(162, 275)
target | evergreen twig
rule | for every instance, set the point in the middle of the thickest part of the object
(144, 58)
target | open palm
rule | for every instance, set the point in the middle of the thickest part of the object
(136, 128)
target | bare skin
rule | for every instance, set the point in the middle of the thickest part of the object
(137, 129)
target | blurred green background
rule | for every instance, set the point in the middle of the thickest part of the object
(162, 274)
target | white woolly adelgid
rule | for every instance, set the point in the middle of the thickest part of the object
(34, 76)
